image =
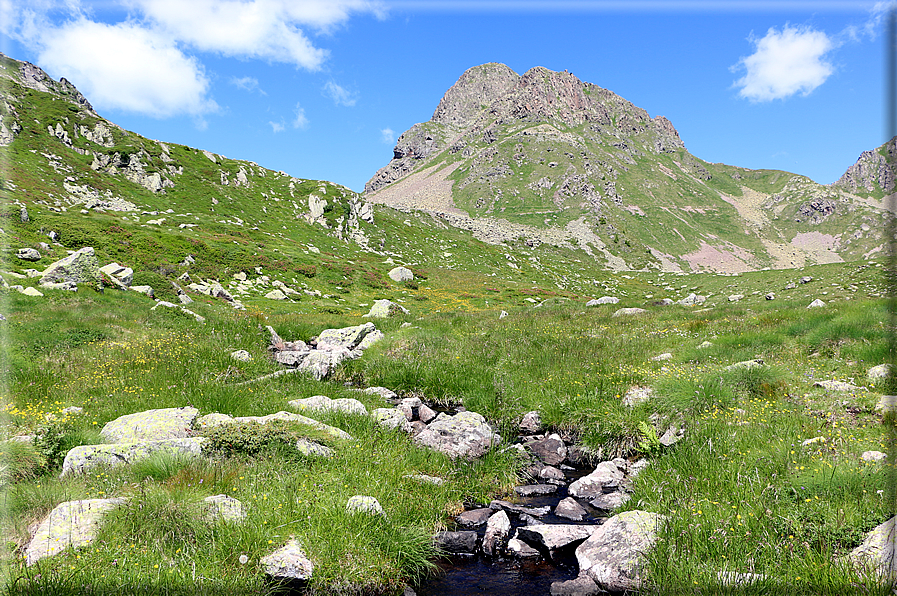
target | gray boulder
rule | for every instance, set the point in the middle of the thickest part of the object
(123, 275)
(475, 517)
(28, 254)
(554, 537)
(241, 355)
(288, 563)
(581, 586)
(87, 457)
(497, 529)
(401, 274)
(72, 523)
(392, 418)
(835, 385)
(609, 501)
(603, 300)
(383, 392)
(531, 422)
(535, 490)
(520, 549)
(363, 504)
(692, 300)
(459, 543)
(570, 508)
(614, 555)
(216, 419)
(637, 395)
(551, 450)
(224, 508)
(386, 308)
(816, 304)
(876, 553)
(606, 474)
(882, 371)
(623, 312)
(347, 337)
(79, 267)
(323, 403)
(466, 434)
(151, 425)
(311, 448)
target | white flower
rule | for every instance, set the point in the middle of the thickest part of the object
(243, 559)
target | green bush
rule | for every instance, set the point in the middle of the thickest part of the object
(162, 288)
(250, 438)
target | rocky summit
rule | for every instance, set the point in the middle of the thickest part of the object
(544, 157)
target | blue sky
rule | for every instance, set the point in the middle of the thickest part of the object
(322, 88)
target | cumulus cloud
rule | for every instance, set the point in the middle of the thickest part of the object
(785, 63)
(277, 126)
(126, 67)
(150, 62)
(247, 84)
(339, 95)
(388, 136)
(299, 121)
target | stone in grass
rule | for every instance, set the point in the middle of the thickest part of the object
(386, 308)
(346, 337)
(241, 355)
(79, 267)
(28, 254)
(834, 385)
(324, 404)
(401, 274)
(216, 419)
(623, 312)
(288, 564)
(224, 508)
(882, 371)
(383, 392)
(276, 295)
(757, 363)
(873, 456)
(151, 425)
(876, 553)
(531, 422)
(392, 418)
(313, 449)
(614, 555)
(637, 395)
(497, 529)
(363, 504)
(86, 457)
(570, 508)
(466, 434)
(816, 304)
(660, 357)
(73, 523)
(606, 474)
(31, 292)
(435, 480)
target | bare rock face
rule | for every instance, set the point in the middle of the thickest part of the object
(477, 87)
(872, 171)
(87, 457)
(613, 556)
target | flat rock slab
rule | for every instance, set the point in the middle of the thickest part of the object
(520, 549)
(475, 517)
(581, 586)
(554, 536)
(533, 490)
(288, 563)
(614, 555)
(313, 449)
(520, 509)
(834, 385)
(151, 425)
(323, 403)
(609, 501)
(79, 267)
(466, 434)
(86, 457)
(623, 312)
(216, 419)
(460, 543)
(605, 474)
(73, 523)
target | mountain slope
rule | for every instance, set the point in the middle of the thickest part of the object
(546, 157)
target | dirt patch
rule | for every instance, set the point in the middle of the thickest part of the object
(749, 205)
(428, 190)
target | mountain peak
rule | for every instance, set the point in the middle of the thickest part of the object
(476, 89)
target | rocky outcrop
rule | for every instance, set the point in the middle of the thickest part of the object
(873, 171)
(288, 564)
(323, 353)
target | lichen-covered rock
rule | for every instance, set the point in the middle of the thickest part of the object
(241, 355)
(275, 295)
(28, 254)
(151, 425)
(386, 308)
(466, 434)
(86, 457)
(570, 508)
(121, 274)
(401, 274)
(614, 555)
(835, 385)
(73, 523)
(531, 422)
(628, 311)
(369, 340)
(381, 391)
(79, 267)
(609, 501)
(224, 508)
(347, 337)
(288, 563)
(876, 553)
(363, 504)
(882, 371)
(317, 364)
(392, 418)
(313, 449)
(606, 474)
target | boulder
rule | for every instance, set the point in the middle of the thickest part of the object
(369, 340)
(151, 425)
(86, 457)
(148, 290)
(363, 504)
(317, 363)
(876, 553)
(746, 364)
(392, 418)
(459, 543)
(660, 357)
(323, 403)
(629, 311)
(216, 419)
(497, 529)
(347, 337)
(805, 279)
(581, 586)
(311, 448)
(72, 523)
(637, 395)
(466, 434)
(873, 456)
(606, 474)
(383, 392)
(882, 371)
(735, 297)
(241, 355)
(288, 563)
(613, 556)
(224, 508)
(570, 508)
(475, 517)
(436, 480)
(535, 490)
(401, 274)
(28, 254)
(531, 422)
(552, 474)
(551, 450)
(425, 414)
(293, 358)
(276, 295)
(834, 385)
(816, 304)
(520, 549)
(79, 267)
(124, 275)
(386, 308)
(520, 509)
(692, 300)
(554, 537)
(609, 501)
(770, 296)
(30, 292)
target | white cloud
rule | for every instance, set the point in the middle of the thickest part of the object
(127, 67)
(265, 29)
(247, 84)
(784, 63)
(300, 121)
(339, 95)
(277, 126)
(388, 136)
